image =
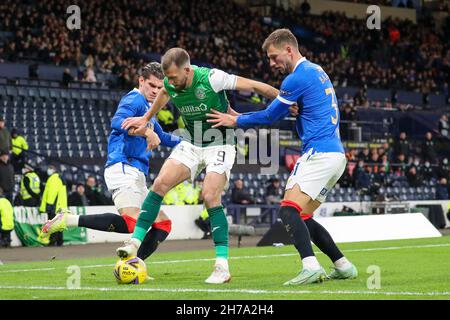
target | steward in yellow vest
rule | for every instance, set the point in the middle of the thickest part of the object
(54, 198)
(6, 221)
(30, 187)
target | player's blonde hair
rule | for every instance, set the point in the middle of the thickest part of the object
(177, 56)
(280, 37)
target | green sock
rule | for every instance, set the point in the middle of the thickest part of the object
(219, 231)
(149, 212)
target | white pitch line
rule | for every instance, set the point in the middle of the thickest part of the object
(242, 257)
(249, 291)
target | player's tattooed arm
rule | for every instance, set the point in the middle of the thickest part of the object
(136, 122)
(261, 88)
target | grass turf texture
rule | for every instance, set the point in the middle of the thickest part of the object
(409, 269)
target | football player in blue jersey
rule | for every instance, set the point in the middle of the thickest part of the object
(127, 167)
(323, 159)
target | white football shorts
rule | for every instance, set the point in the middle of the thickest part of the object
(317, 173)
(219, 159)
(127, 185)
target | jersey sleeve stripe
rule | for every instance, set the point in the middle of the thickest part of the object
(285, 101)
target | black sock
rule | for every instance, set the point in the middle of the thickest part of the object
(104, 222)
(297, 230)
(151, 241)
(323, 240)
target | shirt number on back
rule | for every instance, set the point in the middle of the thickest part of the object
(333, 104)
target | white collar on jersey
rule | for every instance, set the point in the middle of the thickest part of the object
(298, 63)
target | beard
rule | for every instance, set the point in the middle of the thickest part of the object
(181, 86)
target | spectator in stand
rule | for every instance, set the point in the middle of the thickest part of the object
(380, 178)
(428, 149)
(93, 192)
(444, 125)
(428, 171)
(239, 195)
(67, 77)
(348, 115)
(89, 75)
(220, 40)
(274, 192)
(360, 97)
(78, 197)
(402, 146)
(365, 179)
(402, 165)
(346, 180)
(19, 145)
(364, 155)
(305, 7)
(385, 163)
(442, 190)
(5, 136)
(357, 171)
(413, 177)
(6, 176)
(443, 170)
(388, 151)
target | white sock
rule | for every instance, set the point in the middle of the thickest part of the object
(72, 220)
(311, 263)
(342, 263)
(223, 262)
(136, 242)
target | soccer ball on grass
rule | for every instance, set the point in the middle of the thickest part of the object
(131, 271)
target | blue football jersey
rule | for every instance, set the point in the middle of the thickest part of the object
(132, 149)
(318, 121)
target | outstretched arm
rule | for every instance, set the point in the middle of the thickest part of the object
(261, 88)
(276, 111)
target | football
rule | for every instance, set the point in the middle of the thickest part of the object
(130, 271)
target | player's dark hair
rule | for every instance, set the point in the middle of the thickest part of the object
(151, 69)
(177, 56)
(279, 38)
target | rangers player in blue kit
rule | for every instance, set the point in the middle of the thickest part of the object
(323, 159)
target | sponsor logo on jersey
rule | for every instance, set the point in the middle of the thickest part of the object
(200, 93)
(324, 191)
(191, 109)
(284, 93)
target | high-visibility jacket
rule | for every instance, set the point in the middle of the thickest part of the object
(34, 183)
(165, 116)
(176, 196)
(204, 215)
(192, 194)
(19, 144)
(55, 194)
(6, 215)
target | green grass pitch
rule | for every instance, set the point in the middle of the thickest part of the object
(409, 269)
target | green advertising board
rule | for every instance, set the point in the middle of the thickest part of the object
(28, 223)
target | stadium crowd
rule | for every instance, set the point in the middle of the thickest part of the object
(117, 37)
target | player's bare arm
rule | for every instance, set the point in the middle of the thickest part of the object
(261, 88)
(161, 100)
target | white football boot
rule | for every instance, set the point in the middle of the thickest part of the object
(219, 275)
(129, 249)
